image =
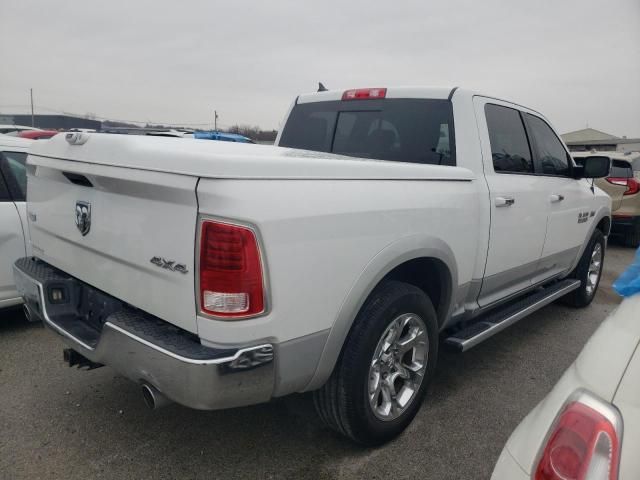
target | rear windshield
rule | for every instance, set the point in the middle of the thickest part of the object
(621, 169)
(402, 130)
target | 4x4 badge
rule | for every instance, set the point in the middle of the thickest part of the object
(169, 265)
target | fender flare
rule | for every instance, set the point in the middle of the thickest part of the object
(393, 255)
(602, 212)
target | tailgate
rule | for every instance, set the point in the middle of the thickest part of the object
(127, 232)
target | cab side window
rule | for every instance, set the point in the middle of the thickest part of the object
(509, 144)
(4, 191)
(13, 170)
(550, 156)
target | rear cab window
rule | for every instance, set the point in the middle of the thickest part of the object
(396, 129)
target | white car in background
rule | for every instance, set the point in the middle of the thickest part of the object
(13, 214)
(588, 427)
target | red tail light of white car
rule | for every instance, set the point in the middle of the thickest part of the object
(584, 441)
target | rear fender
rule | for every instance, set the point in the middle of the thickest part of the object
(395, 254)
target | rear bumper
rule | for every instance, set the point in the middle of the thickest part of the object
(508, 469)
(624, 224)
(144, 348)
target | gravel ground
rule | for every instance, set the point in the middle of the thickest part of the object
(58, 422)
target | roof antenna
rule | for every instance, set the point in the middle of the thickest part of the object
(322, 88)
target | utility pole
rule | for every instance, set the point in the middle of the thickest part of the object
(33, 122)
(215, 120)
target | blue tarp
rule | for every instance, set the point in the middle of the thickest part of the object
(629, 282)
(222, 136)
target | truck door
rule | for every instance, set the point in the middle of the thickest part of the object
(518, 207)
(12, 239)
(568, 201)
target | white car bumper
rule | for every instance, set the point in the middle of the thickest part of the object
(508, 469)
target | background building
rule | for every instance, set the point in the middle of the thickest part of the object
(592, 139)
(53, 122)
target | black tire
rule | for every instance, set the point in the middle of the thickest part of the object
(343, 403)
(581, 297)
(632, 238)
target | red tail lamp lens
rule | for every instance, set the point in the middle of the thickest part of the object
(231, 279)
(633, 186)
(584, 444)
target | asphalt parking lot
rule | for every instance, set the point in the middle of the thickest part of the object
(58, 422)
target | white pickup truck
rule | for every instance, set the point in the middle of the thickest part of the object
(217, 275)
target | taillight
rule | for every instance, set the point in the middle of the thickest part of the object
(584, 443)
(231, 278)
(633, 186)
(364, 93)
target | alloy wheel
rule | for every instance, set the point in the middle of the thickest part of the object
(398, 366)
(595, 269)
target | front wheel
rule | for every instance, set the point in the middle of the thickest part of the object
(588, 271)
(382, 374)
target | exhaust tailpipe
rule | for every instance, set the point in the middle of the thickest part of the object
(153, 398)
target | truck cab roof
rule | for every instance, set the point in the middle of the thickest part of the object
(391, 92)
(407, 91)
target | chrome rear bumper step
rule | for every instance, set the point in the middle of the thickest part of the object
(501, 318)
(167, 360)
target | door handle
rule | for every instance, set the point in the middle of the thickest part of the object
(504, 201)
(554, 198)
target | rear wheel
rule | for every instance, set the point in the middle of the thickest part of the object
(381, 378)
(588, 271)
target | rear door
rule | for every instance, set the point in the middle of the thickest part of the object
(518, 209)
(567, 201)
(12, 238)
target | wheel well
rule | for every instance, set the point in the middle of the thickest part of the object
(604, 226)
(430, 275)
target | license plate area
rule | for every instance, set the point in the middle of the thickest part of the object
(69, 306)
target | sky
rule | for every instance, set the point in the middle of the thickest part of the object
(576, 61)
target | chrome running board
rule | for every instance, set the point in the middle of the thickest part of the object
(497, 320)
